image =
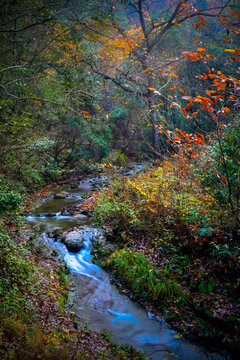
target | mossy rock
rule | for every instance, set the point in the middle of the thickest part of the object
(61, 195)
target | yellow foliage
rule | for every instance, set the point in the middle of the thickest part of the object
(162, 186)
(117, 47)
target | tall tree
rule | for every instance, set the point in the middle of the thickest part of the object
(130, 51)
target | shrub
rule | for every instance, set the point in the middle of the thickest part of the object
(16, 270)
(223, 179)
(158, 203)
(9, 200)
(117, 158)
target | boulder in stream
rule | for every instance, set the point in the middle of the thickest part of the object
(73, 240)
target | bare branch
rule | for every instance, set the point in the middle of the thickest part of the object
(13, 67)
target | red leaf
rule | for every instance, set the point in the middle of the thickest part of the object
(167, 163)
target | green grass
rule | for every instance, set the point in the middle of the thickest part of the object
(141, 277)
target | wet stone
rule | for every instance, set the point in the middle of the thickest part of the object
(67, 210)
(61, 195)
(73, 241)
(56, 234)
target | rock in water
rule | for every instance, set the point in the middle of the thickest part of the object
(73, 241)
(61, 195)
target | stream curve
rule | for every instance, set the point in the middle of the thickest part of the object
(93, 298)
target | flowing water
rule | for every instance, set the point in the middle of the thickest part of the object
(95, 300)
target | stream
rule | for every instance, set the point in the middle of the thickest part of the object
(95, 301)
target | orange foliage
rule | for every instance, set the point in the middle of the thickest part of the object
(117, 47)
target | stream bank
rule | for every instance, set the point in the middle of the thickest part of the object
(34, 320)
(153, 258)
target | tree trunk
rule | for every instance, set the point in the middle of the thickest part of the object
(153, 116)
(154, 122)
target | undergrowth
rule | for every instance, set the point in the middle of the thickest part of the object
(136, 271)
(176, 248)
(160, 204)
